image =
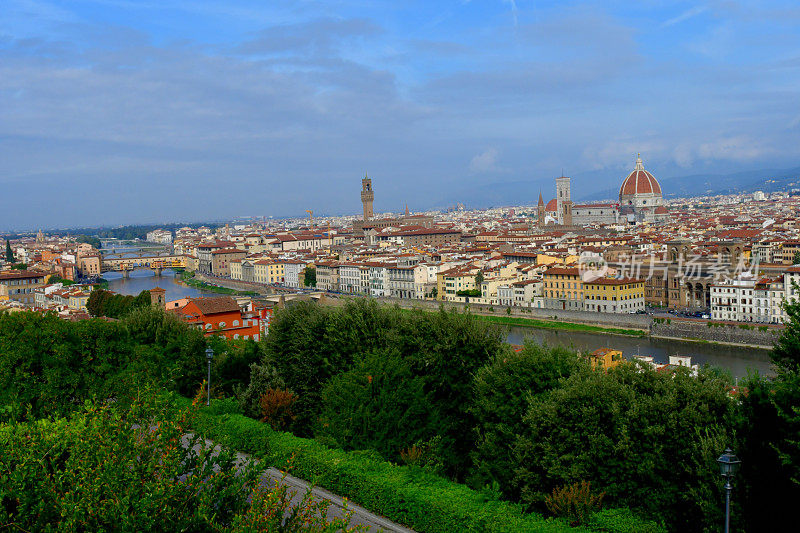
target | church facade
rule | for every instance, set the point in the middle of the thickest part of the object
(640, 201)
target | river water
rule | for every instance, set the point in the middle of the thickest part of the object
(144, 279)
(738, 360)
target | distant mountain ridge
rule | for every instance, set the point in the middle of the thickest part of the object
(526, 192)
(767, 180)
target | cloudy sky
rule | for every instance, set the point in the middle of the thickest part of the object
(124, 111)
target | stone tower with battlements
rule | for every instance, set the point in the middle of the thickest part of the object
(367, 196)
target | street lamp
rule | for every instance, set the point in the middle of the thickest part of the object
(209, 357)
(728, 465)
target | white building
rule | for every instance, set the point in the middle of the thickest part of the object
(734, 299)
(350, 278)
(292, 272)
(379, 280)
(160, 236)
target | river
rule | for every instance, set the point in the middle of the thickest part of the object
(736, 359)
(144, 279)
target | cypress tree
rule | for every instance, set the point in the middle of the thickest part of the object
(9, 252)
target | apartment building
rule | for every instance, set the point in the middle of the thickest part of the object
(563, 288)
(20, 285)
(614, 295)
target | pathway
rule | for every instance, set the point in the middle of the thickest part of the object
(360, 516)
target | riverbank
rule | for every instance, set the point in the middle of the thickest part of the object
(189, 279)
(558, 325)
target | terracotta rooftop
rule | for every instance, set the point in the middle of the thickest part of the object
(215, 304)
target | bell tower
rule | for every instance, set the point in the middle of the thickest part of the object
(367, 196)
(563, 201)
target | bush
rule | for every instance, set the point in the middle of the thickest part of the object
(276, 408)
(648, 439)
(502, 390)
(105, 469)
(407, 495)
(574, 502)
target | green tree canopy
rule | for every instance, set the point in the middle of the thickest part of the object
(378, 405)
(786, 351)
(9, 252)
(310, 276)
(503, 389)
(648, 439)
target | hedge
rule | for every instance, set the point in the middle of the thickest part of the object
(407, 495)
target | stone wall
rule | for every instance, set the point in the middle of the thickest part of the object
(717, 332)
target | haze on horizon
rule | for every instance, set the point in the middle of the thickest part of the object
(120, 111)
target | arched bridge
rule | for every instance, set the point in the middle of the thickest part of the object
(154, 262)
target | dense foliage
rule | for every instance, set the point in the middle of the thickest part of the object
(108, 304)
(9, 252)
(442, 393)
(408, 495)
(127, 468)
(647, 439)
(503, 389)
(372, 351)
(94, 241)
(310, 276)
(49, 366)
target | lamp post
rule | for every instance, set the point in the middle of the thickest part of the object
(728, 465)
(209, 357)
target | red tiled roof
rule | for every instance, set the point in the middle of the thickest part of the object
(215, 304)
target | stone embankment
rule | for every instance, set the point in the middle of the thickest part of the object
(721, 332)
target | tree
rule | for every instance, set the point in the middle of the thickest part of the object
(106, 303)
(502, 391)
(786, 351)
(310, 276)
(124, 468)
(263, 377)
(447, 349)
(648, 439)
(796, 258)
(377, 405)
(769, 447)
(479, 279)
(9, 252)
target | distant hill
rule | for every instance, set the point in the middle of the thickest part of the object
(584, 187)
(767, 180)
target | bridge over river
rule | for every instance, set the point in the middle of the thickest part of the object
(126, 263)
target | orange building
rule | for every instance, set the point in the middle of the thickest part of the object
(605, 358)
(222, 316)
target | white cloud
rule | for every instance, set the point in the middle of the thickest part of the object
(484, 161)
(738, 148)
(686, 15)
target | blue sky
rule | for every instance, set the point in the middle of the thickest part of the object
(122, 111)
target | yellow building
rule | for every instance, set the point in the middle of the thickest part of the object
(563, 288)
(267, 271)
(614, 295)
(450, 282)
(605, 358)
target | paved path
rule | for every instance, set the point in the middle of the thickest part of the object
(360, 516)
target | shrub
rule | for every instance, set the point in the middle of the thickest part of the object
(574, 502)
(276, 408)
(406, 495)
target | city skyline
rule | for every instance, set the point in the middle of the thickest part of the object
(143, 112)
